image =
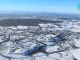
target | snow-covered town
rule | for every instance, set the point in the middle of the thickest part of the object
(47, 41)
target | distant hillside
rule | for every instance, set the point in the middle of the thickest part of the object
(27, 22)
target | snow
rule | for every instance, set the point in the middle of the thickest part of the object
(19, 51)
(75, 28)
(55, 56)
(23, 42)
(39, 54)
(40, 58)
(49, 43)
(12, 27)
(46, 25)
(77, 43)
(52, 49)
(1, 38)
(22, 27)
(76, 53)
(46, 37)
(50, 35)
(3, 58)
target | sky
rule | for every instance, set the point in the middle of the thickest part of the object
(52, 6)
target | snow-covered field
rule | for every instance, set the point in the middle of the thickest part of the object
(44, 42)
